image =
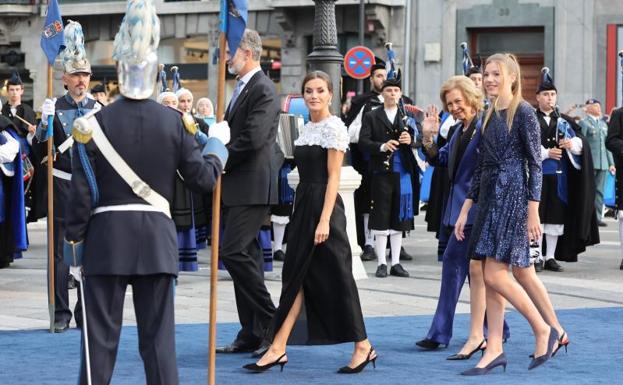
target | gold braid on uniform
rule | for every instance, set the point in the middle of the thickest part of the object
(189, 123)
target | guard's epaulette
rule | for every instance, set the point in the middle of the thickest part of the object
(82, 130)
(189, 123)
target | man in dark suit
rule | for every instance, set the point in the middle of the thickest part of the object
(249, 188)
(119, 212)
(614, 143)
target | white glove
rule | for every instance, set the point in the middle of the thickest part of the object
(220, 131)
(48, 108)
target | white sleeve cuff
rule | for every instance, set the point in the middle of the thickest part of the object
(576, 146)
(9, 150)
(29, 137)
(355, 127)
(544, 153)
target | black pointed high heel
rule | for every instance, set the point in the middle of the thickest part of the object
(460, 356)
(371, 358)
(254, 367)
(540, 360)
(498, 361)
(562, 341)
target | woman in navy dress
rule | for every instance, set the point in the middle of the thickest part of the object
(317, 271)
(507, 187)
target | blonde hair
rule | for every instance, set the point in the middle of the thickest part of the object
(473, 96)
(508, 66)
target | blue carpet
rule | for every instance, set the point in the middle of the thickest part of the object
(37, 357)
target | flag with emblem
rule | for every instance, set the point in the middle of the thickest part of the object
(52, 38)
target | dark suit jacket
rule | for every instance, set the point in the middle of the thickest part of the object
(152, 140)
(376, 129)
(25, 112)
(614, 143)
(253, 120)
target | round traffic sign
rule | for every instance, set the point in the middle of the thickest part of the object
(358, 62)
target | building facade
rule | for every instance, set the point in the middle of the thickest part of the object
(578, 40)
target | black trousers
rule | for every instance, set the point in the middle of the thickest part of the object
(242, 256)
(62, 313)
(153, 305)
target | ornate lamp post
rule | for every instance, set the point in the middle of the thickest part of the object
(325, 56)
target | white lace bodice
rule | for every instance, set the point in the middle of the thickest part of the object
(328, 133)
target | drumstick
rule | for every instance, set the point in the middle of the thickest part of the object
(23, 120)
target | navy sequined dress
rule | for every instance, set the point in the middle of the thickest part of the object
(508, 175)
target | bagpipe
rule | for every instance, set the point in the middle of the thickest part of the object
(407, 112)
(565, 132)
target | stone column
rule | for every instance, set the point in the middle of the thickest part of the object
(349, 182)
(325, 56)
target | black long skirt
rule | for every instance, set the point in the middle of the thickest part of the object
(332, 312)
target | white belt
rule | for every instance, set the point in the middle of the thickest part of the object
(61, 174)
(66, 145)
(130, 207)
(138, 186)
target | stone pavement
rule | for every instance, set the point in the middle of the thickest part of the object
(595, 281)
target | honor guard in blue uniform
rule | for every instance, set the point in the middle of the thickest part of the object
(119, 227)
(75, 103)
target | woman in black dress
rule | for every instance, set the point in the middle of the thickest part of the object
(317, 270)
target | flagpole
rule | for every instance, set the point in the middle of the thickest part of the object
(216, 219)
(51, 300)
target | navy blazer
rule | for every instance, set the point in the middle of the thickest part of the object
(152, 140)
(461, 180)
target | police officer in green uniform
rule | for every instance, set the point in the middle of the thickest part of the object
(595, 129)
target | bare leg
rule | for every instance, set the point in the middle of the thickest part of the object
(537, 292)
(360, 353)
(477, 305)
(278, 347)
(498, 280)
(495, 317)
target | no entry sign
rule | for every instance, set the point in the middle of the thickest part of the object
(358, 62)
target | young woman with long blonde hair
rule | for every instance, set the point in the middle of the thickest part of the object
(507, 187)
